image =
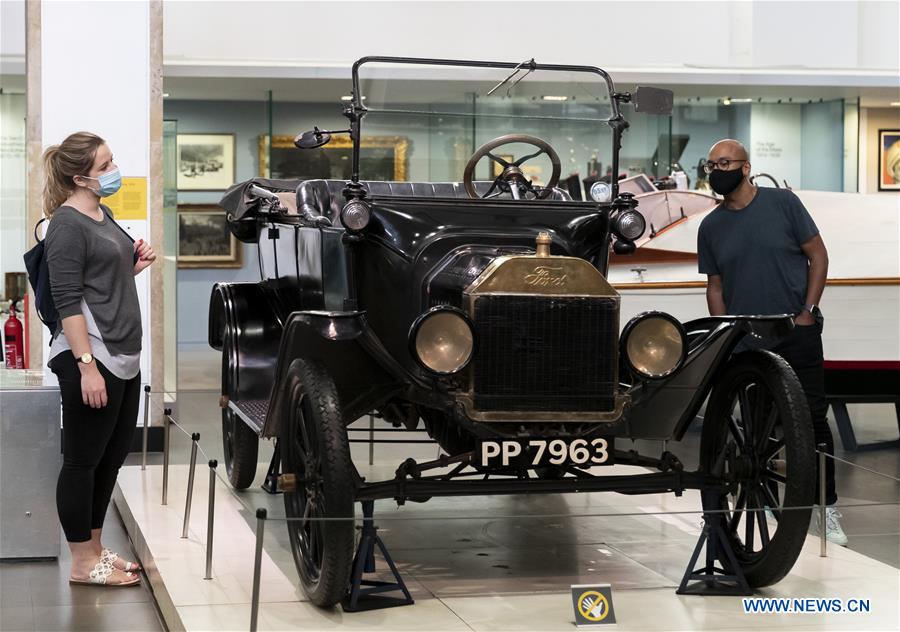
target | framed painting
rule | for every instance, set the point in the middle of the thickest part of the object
(381, 158)
(889, 160)
(204, 240)
(205, 162)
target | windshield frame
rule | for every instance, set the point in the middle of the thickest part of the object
(356, 110)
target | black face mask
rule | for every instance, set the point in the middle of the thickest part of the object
(724, 182)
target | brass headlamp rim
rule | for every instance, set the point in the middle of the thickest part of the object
(637, 320)
(422, 318)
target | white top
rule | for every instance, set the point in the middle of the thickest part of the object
(124, 366)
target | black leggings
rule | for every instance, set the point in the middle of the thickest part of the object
(95, 444)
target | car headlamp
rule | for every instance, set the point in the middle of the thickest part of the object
(654, 345)
(629, 225)
(442, 340)
(355, 215)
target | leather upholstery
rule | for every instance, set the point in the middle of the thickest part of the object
(325, 197)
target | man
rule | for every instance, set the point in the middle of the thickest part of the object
(763, 254)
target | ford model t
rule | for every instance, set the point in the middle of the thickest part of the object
(444, 279)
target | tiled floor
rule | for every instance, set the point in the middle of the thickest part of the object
(37, 595)
(469, 565)
(450, 566)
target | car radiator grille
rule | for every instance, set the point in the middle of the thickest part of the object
(540, 353)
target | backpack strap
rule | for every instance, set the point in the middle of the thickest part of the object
(113, 220)
(39, 222)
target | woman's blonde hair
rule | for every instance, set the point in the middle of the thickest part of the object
(72, 157)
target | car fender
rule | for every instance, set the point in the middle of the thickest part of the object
(244, 311)
(364, 373)
(663, 409)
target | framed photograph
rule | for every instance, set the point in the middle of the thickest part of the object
(381, 158)
(204, 240)
(205, 161)
(889, 160)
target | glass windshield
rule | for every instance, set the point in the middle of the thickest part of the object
(423, 122)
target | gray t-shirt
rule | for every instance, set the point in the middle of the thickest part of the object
(756, 250)
(94, 261)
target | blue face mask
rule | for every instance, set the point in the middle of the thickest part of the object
(110, 182)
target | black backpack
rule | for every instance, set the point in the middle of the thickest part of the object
(39, 277)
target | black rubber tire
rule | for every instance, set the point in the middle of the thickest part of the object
(323, 550)
(775, 405)
(240, 444)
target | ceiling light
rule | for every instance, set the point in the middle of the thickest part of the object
(554, 97)
(165, 95)
(726, 101)
(348, 97)
(895, 104)
(740, 100)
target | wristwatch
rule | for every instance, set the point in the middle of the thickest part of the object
(86, 358)
(811, 308)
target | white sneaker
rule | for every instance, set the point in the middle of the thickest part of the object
(833, 531)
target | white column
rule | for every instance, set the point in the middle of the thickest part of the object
(95, 75)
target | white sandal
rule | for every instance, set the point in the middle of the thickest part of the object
(109, 557)
(100, 576)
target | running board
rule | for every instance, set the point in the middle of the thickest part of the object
(251, 411)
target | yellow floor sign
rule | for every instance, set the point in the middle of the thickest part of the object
(593, 604)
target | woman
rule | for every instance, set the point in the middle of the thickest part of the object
(96, 351)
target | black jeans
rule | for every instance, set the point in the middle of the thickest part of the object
(95, 444)
(802, 349)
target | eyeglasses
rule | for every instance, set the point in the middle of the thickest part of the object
(721, 164)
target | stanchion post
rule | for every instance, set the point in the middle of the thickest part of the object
(146, 426)
(823, 527)
(165, 483)
(371, 439)
(210, 517)
(195, 438)
(257, 567)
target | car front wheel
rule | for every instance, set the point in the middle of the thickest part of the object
(319, 503)
(757, 435)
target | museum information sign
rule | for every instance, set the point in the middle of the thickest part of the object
(130, 202)
(593, 605)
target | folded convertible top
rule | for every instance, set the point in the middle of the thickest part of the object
(241, 209)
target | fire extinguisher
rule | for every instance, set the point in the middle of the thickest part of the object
(14, 350)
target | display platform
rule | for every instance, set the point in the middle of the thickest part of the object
(483, 563)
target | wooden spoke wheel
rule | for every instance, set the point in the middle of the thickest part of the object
(315, 450)
(758, 435)
(240, 443)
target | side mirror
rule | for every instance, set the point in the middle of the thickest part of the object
(312, 139)
(652, 100)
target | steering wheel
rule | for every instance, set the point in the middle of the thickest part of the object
(511, 179)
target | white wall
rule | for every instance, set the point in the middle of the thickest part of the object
(672, 35)
(12, 28)
(76, 96)
(12, 184)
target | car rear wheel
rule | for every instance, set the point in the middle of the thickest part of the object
(757, 433)
(316, 452)
(240, 443)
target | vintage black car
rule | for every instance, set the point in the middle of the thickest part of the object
(479, 310)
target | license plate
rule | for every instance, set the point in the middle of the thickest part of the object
(544, 452)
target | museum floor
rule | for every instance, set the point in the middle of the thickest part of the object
(471, 563)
